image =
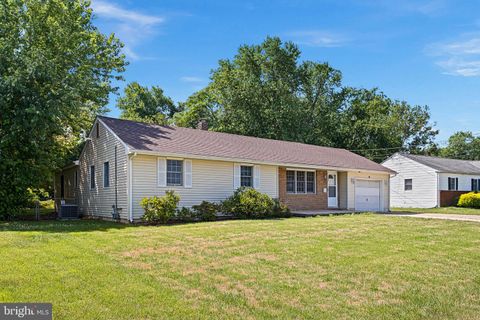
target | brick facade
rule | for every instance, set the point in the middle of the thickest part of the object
(317, 201)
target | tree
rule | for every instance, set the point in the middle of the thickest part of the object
(148, 105)
(199, 106)
(56, 72)
(267, 91)
(462, 145)
(376, 126)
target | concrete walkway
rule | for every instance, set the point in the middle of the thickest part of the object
(314, 213)
(456, 217)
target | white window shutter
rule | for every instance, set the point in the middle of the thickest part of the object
(236, 176)
(187, 173)
(256, 177)
(162, 172)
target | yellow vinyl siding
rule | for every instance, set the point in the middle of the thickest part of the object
(211, 181)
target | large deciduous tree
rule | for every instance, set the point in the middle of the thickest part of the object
(267, 91)
(56, 72)
(376, 126)
(462, 145)
(140, 103)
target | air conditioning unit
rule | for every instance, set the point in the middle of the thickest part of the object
(68, 211)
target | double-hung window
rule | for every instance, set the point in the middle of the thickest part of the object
(106, 174)
(246, 176)
(408, 184)
(452, 184)
(291, 182)
(174, 172)
(299, 181)
(92, 177)
(475, 184)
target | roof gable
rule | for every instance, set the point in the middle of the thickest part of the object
(186, 141)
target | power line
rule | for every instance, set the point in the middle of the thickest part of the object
(379, 149)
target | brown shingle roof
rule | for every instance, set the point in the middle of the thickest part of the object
(185, 141)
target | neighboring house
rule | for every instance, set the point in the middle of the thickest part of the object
(125, 161)
(427, 182)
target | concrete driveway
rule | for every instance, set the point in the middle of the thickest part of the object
(456, 217)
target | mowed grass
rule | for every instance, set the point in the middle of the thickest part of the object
(360, 266)
(446, 210)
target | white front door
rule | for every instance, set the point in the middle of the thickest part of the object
(332, 189)
(367, 195)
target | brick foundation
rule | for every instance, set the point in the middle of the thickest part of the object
(317, 201)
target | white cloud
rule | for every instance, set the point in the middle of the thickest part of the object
(191, 79)
(113, 11)
(130, 26)
(317, 38)
(460, 57)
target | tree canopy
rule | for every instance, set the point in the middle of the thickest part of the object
(56, 73)
(462, 145)
(148, 105)
(267, 91)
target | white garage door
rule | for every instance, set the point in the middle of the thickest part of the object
(367, 195)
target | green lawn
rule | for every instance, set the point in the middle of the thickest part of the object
(447, 210)
(361, 266)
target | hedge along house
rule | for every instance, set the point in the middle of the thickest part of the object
(125, 161)
(427, 182)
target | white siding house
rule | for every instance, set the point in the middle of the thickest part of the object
(125, 161)
(423, 182)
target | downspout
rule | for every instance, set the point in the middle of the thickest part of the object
(116, 175)
(438, 190)
(130, 185)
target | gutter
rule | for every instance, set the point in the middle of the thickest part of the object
(295, 165)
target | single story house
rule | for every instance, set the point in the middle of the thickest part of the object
(125, 161)
(427, 182)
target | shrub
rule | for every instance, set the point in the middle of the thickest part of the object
(280, 210)
(250, 203)
(36, 195)
(206, 211)
(185, 214)
(469, 200)
(160, 209)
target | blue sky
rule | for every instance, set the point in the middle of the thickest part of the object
(426, 52)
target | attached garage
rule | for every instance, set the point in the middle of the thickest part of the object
(367, 195)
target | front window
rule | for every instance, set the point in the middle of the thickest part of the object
(452, 184)
(174, 172)
(408, 184)
(291, 182)
(300, 181)
(246, 176)
(310, 182)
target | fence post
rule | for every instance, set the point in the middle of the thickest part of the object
(37, 210)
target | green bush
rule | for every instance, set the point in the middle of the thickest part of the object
(469, 200)
(160, 209)
(36, 195)
(250, 203)
(280, 210)
(185, 214)
(206, 211)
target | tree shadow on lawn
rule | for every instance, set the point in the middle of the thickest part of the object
(62, 226)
